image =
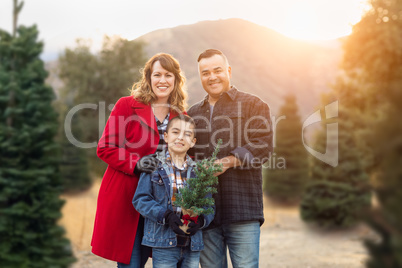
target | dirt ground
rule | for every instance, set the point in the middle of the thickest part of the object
(286, 242)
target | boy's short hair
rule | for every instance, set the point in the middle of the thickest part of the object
(181, 117)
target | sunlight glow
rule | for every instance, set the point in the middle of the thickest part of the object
(319, 19)
(299, 19)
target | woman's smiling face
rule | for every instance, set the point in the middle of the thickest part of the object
(162, 82)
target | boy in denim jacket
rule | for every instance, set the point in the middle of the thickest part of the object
(154, 199)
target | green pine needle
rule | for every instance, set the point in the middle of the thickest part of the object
(197, 194)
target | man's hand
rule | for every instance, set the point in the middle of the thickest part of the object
(227, 162)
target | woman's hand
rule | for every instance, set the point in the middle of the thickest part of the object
(146, 164)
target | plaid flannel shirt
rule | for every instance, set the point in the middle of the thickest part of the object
(177, 177)
(243, 122)
(161, 130)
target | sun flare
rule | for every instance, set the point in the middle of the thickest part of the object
(319, 19)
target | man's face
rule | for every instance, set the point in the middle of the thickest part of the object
(215, 75)
(180, 137)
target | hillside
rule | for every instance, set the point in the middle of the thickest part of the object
(263, 61)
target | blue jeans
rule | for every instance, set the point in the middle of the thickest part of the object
(140, 253)
(242, 239)
(175, 257)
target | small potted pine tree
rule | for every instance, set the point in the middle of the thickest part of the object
(196, 197)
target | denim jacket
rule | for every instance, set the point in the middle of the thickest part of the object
(152, 199)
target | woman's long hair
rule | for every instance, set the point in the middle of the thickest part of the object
(142, 90)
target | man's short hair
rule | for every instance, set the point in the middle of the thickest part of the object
(181, 117)
(211, 52)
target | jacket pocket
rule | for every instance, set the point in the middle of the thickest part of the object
(159, 189)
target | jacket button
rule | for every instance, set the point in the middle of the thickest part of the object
(169, 202)
(170, 243)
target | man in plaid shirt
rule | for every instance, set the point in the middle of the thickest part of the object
(243, 122)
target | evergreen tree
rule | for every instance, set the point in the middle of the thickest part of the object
(29, 179)
(73, 161)
(99, 77)
(194, 196)
(336, 196)
(287, 185)
(372, 67)
(386, 219)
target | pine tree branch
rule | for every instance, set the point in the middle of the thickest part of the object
(197, 194)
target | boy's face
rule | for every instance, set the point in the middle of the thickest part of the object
(180, 137)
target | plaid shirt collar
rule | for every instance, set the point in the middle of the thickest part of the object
(177, 177)
(164, 121)
(171, 163)
(232, 92)
(162, 157)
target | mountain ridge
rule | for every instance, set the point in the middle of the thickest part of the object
(264, 62)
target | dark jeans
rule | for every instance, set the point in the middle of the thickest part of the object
(140, 253)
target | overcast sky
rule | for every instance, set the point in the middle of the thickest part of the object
(60, 22)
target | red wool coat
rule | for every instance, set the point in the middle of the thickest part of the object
(130, 133)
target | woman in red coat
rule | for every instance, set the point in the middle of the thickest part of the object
(131, 136)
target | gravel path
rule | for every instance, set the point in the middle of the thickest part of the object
(286, 242)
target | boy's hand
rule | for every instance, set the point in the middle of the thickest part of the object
(194, 227)
(146, 164)
(174, 221)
